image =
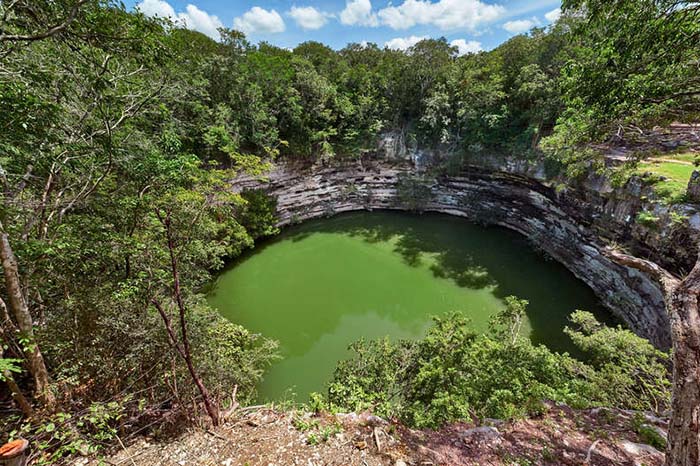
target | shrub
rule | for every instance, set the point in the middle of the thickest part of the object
(259, 213)
(628, 370)
(647, 219)
(62, 434)
(453, 373)
(414, 192)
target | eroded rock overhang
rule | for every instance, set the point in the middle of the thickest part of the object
(555, 222)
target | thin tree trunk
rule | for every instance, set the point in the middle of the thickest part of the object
(206, 397)
(20, 311)
(183, 348)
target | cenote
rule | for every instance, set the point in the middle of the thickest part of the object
(321, 285)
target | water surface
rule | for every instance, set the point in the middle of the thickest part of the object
(319, 286)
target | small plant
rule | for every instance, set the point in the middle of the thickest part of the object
(304, 425)
(647, 433)
(328, 431)
(678, 219)
(9, 366)
(316, 403)
(647, 219)
(548, 455)
(510, 458)
(319, 434)
(313, 439)
(66, 434)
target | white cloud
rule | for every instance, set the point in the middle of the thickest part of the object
(444, 14)
(308, 17)
(404, 43)
(520, 25)
(553, 15)
(358, 12)
(191, 18)
(201, 21)
(259, 20)
(465, 47)
(157, 8)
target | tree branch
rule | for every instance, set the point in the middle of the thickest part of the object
(168, 326)
(49, 32)
(668, 282)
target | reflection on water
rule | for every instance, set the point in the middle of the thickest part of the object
(324, 284)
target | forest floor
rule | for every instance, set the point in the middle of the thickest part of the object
(560, 436)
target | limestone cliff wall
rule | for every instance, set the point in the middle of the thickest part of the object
(565, 224)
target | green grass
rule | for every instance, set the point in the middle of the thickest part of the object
(676, 175)
(688, 157)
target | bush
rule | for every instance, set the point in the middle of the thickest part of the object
(259, 213)
(414, 192)
(229, 355)
(647, 219)
(453, 373)
(62, 434)
(627, 370)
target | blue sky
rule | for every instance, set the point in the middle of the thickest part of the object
(471, 25)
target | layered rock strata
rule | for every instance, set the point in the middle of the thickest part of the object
(572, 225)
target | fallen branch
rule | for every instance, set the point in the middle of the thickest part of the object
(590, 452)
(375, 434)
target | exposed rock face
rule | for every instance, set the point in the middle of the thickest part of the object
(567, 224)
(694, 187)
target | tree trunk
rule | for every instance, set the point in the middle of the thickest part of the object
(20, 311)
(684, 429)
(183, 347)
(683, 307)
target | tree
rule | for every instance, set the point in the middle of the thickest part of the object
(25, 323)
(62, 146)
(633, 64)
(683, 306)
(27, 21)
(9, 366)
(181, 343)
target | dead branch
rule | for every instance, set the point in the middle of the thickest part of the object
(668, 282)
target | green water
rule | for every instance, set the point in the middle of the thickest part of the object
(319, 286)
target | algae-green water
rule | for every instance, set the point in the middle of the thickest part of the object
(319, 286)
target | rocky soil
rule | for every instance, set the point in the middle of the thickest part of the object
(263, 437)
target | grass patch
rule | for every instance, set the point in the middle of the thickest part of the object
(670, 175)
(687, 157)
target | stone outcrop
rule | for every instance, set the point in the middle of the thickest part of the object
(694, 187)
(572, 225)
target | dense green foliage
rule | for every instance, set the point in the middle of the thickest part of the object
(105, 138)
(118, 137)
(453, 373)
(632, 64)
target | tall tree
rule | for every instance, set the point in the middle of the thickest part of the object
(69, 98)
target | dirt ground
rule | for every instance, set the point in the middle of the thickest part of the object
(264, 437)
